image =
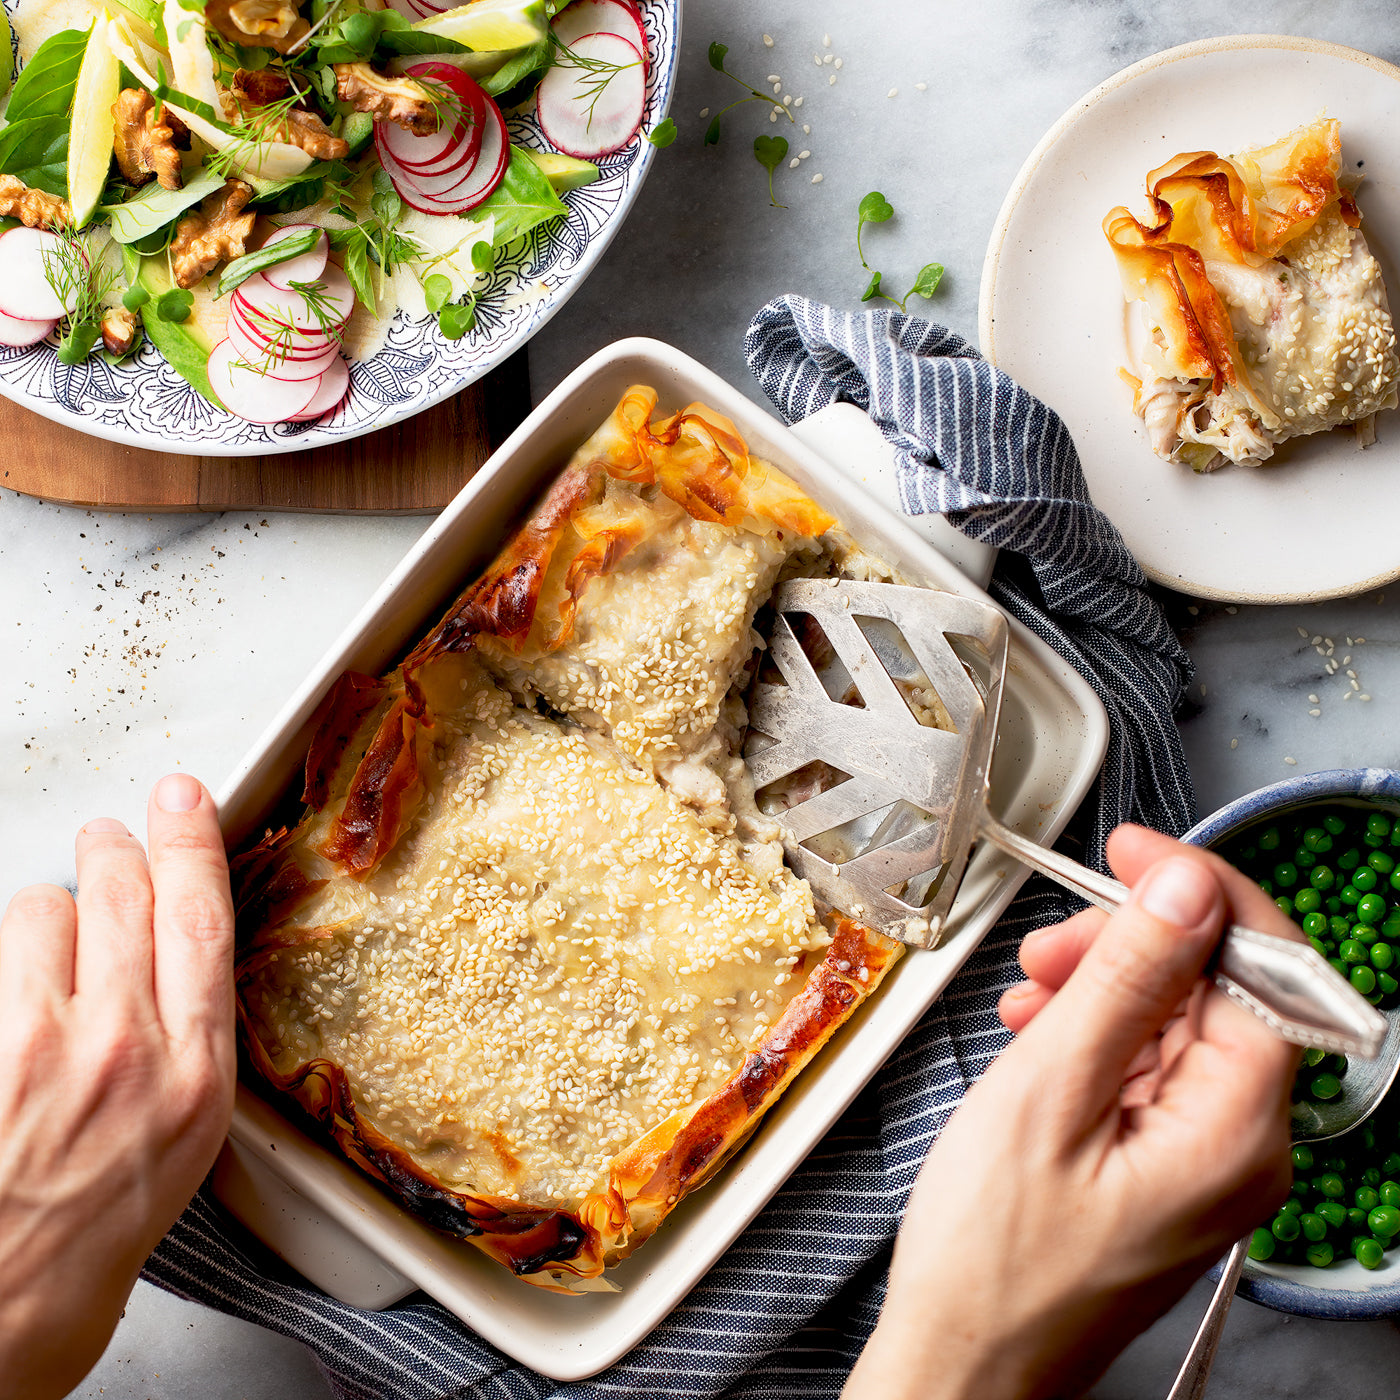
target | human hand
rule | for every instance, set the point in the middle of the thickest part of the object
(116, 1076)
(1135, 1128)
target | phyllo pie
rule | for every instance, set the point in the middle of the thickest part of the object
(1256, 311)
(530, 955)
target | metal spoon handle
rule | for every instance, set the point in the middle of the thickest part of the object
(1195, 1369)
(1289, 985)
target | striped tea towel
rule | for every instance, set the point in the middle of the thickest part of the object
(786, 1311)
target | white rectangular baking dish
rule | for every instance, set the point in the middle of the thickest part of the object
(333, 1223)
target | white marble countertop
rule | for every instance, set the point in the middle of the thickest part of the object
(137, 644)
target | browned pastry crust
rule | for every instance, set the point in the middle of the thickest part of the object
(366, 781)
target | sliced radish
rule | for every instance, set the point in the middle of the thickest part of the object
(335, 296)
(256, 397)
(274, 360)
(305, 267)
(334, 382)
(261, 331)
(17, 333)
(450, 146)
(24, 285)
(457, 191)
(618, 17)
(572, 119)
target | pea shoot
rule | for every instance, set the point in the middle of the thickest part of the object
(718, 53)
(770, 152)
(876, 209)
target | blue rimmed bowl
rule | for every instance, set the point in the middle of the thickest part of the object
(1344, 1290)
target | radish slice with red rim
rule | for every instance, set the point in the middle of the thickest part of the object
(25, 293)
(418, 153)
(16, 333)
(253, 396)
(305, 267)
(455, 192)
(263, 330)
(335, 300)
(578, 116)
(272, 360)
(333, 386)
(618, 17)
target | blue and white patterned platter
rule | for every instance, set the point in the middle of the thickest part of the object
(143, 402)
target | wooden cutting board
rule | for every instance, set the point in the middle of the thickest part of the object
(413, 467)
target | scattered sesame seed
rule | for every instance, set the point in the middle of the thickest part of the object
(828, 58)
(1292, 762)
(1232, 610)
(806, 130)
(768, 41)
(1314, 713)
(704, 111)
(893, 92)
(1203, 687)
(794, 163)
(817, 59)
(816, 179)
(797, 102)
(773, 115)
(1302, 631)
(920, 87)
(838, 62)
(1361, 641)
(1194, 610)
(777, 89)
(1363, 697)
(826, 41)
(774, 78)
(802, 155)
(831, 81)
(1234, 743)
(787, 101)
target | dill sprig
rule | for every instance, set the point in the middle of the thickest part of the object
(82, 281)
(252, 130)
(281, 334)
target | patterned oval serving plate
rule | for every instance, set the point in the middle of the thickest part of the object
(143, 402)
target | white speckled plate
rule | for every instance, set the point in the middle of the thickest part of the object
(142, 402)
(1052, 316)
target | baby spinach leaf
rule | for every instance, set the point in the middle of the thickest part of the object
(509, 83)
(436, 290)
(717, 56)
(45, 85)
(35, 150)
(523, 200)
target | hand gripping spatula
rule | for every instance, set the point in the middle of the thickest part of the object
(870, 742)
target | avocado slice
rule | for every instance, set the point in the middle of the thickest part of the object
(183, 344)
(563, 172)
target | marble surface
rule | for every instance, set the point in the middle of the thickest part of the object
(133, 645)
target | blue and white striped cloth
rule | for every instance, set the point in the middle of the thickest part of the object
(765, 1322)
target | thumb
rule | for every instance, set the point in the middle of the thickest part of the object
(1135, 974)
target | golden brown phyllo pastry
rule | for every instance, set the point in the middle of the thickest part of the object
(532, 957)
(1263, 314)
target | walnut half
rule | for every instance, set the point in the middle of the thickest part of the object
(258, 24)
(33, 208)
(215, 232)
(251, 91)
(402, 101)
(118, 330)
(145, 143)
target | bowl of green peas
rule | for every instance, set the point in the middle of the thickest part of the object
(1326, 846)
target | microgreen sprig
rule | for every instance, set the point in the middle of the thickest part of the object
(770, 152)
(876, 209)
(717, 56)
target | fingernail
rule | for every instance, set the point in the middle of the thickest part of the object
(1178, 892)
(177, 793)
(102, 826)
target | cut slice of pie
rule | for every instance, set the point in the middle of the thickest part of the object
(1261, 313)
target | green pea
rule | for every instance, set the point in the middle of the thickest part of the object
(1384, 1221)
(1339, 965)
(1302, 1155)
(1317, 840)
(1319, 1255)
(1378, 824)
(1285, 904)
(1269, 839)
(1372, 1175)
(1304, 859)
(1352, 951)
(1261, 1244)
(1301, 1189)
(1286, 875)
(1390, 1190)
(1363, 979)
(1324, 1087)
(1308, 901)
(1318, 944)
(1338, 1066)
(1365, 879)
(1356, 1217)
(1329, 1184)
(1369, 1253)
(1285, 1228)
(1338, 926)
(1387, 984)
(1381, 863)
(1366, 1198)
(1314, 1227)
(1333, 824)
(1382, 956)
(1375, 998)
(1333, 1212)
(1350, 896)
(1348, 860)
(1291, 1207)
(1365, 934)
